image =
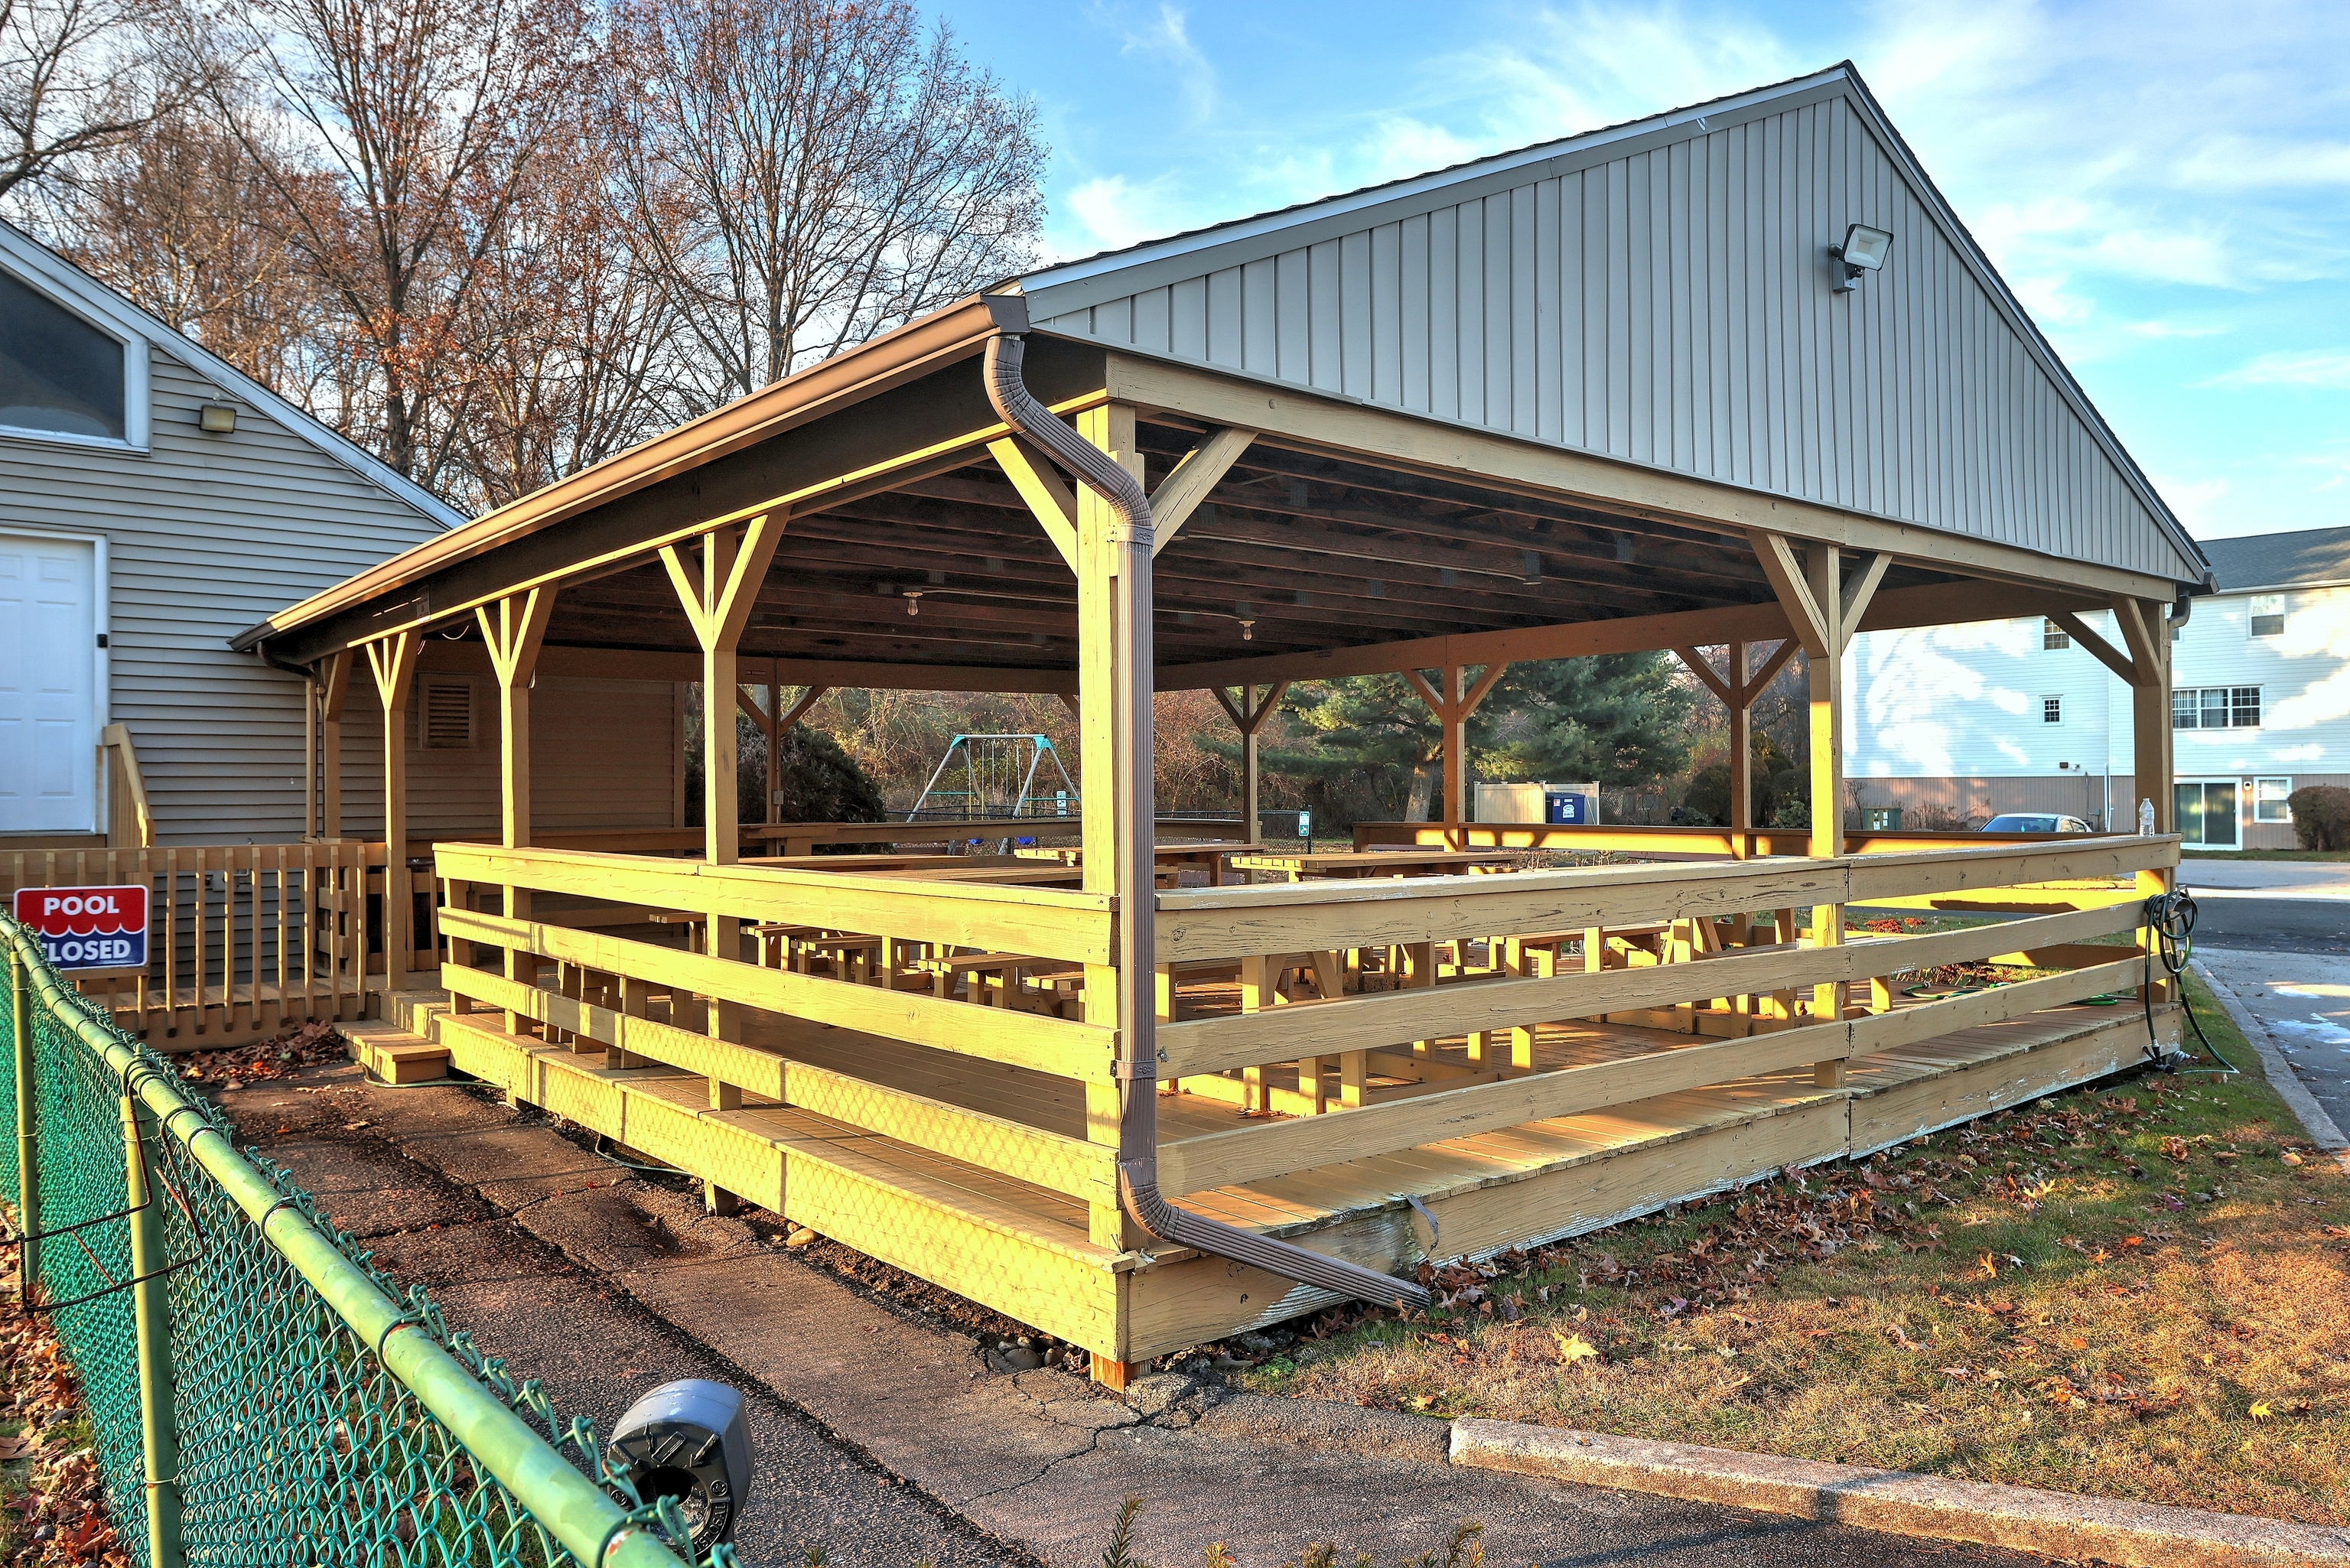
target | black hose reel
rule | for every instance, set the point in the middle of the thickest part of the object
(688, 1440)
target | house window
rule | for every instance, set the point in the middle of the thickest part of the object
(2269, 800)
(2051, 709)
(2054, 635)
(2268, 615)
(2215, 708)
(59, 374)
(448, 716)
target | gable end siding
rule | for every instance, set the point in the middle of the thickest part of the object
(1670, 308)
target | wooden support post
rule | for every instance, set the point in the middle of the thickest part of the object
(1741, 756)
(334, 684)
(1249, 714)
(718, 583)
(512, 630)
(2147, 636)
(393, 661)
(1452, 707)
(1098, 684)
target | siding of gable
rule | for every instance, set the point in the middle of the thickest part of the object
(205, 535)
(1670, 307)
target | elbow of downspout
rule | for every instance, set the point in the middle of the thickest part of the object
(1138, 1071)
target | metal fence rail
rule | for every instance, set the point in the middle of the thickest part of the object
(260, 1395)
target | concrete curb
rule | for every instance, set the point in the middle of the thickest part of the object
(2281, 1075)
(2020, 1519)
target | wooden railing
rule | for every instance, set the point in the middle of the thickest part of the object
(1484, 963)
(1409, 1010)
(1709, 843)
(244, 940)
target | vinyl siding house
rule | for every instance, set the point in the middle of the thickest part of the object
(136, 538)
(2017, 716)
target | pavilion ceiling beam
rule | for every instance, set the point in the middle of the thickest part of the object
(1444, 451)
(1858, 589)
(1196, 474)
(2105, 652)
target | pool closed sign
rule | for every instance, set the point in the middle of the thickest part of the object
(88, 927)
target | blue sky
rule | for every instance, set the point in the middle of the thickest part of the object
(2166, 186)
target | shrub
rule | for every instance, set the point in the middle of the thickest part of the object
(2321, 816)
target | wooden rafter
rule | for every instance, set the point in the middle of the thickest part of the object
(2146, 657)
(1803, 611)
(1858, 589)
(1042, 489)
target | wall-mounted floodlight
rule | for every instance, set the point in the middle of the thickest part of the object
(1863, 250)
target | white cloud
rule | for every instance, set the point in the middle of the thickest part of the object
(1168, 36)
(2172, 329)
(2327, 370)
(1116, 213)
(2194, 502)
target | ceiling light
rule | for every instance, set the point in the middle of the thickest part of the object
(1529, 571)
(913, 601)
(1248, 631)
(1864, 250)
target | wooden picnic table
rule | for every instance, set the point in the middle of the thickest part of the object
(1361, 863)
(1205, 855)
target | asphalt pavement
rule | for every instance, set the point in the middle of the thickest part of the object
(2270, 906)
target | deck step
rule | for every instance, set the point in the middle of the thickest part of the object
(395, 1055)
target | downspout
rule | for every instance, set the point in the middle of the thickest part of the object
(1137, 1019)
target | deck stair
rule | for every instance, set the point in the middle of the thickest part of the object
(393, 1054)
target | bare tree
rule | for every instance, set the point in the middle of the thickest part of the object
(807, 173)
(76, 76)
(184, 222)
(427, 114)
(566, 334)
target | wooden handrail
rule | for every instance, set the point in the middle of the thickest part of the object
(125, 777)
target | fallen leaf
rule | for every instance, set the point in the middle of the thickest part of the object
(1573, 1347)
(2133, 1241)
(2289, 1158)
(354, 1126)
(1989, 1268)
(2260, 1412)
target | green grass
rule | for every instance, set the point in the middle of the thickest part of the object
(2130, 1291)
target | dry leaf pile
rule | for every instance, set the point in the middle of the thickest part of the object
(52, 1504)
(311, 1045)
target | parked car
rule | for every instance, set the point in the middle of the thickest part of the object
(2022, 823)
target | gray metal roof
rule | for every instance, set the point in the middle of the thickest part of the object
(1657, 292)
(2303, 559)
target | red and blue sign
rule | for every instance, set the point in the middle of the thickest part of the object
(88, 927)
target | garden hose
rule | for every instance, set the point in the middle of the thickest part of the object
(2171, 918)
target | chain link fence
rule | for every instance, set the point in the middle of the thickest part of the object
(259, 1393)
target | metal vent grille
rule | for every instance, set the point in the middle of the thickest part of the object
(448, 716)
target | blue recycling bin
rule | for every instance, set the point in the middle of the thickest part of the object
(1567, 808)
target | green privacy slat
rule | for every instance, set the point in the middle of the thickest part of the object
(326, 1415)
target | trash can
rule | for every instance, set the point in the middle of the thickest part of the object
(1567, 808)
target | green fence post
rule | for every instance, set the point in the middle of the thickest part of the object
(157, 1411)
(28, 1173)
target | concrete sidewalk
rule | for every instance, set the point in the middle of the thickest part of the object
(882, 1436)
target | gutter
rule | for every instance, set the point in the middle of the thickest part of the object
(913, 350)
(1137, 1069)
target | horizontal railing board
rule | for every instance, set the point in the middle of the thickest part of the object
(1062, 1048)
(1375, 1022)
(1049, 1160)
(1043, 923)
(1261, 1152)
(1198, 924)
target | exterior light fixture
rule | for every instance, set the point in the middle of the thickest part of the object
(216, 419)
(1248, 631)
(1864, 250)
(913, 601)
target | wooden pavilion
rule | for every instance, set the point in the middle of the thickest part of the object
(1605, 395)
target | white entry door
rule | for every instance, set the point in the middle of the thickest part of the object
(48, 676)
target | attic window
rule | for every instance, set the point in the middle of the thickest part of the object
(2268, 615)
(59, 374)
(2054, 635)
(448, 716)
